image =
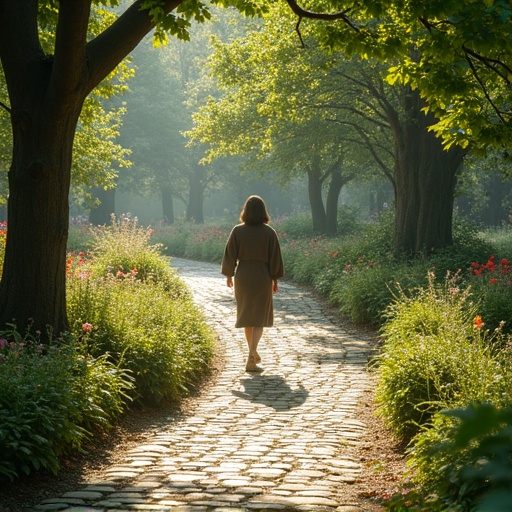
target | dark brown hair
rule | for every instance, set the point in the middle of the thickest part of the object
(254, 211)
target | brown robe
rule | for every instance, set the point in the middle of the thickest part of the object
(253, 255)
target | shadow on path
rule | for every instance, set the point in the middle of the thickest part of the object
(272, 391)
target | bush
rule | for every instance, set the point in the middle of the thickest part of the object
(491, 283)
(462, 461)
(160, 337)
(435, 356)
(52, 399)
(199, 242)
(123, 249)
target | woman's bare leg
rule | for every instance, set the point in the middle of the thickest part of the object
(253, 336)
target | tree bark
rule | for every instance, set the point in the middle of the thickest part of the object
(425, 179)
(338, 181)
(315, 200)
(196, 196)
(32, 289)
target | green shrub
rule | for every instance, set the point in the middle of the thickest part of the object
(80, 238)
(295, 227)
(52, 399)
(200, 242)
(123, 249)
(434, 357)
(491, 283)
(463, 461)
(304, 259)
(162, 340)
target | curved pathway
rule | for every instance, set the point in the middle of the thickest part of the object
(280, 440)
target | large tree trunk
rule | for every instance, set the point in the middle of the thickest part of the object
(425, 178)
(33, 285)
(331, 205)
(196, 196)
(315, 200)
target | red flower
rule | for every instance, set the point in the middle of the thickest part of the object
(477, 322)
(493, 281)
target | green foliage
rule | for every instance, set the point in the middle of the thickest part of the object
(199, 242)
(154, 332)
(52, 400)
(436, 356)
(492, 284)
(365, 288)
(122, 249)
(137, 310)
(485, 432)
(462, 461)
(80, 238)
(296, 226)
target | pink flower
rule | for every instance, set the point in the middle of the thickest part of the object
(87, 327)
(3, 343)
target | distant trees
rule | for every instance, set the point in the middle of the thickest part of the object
(301, 110)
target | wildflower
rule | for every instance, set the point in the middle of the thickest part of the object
(87, 327)
(477, 322)
(3, 342)
(493, 281)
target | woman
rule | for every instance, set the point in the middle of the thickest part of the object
(252, 254)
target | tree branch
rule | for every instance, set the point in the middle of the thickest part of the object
(5, 107)
(68, 67)
(484, 89)
(20, 50)
(304, 13)
(110, 47)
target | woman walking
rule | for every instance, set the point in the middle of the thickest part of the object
(253, 257)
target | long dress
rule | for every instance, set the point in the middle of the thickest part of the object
(253, 255)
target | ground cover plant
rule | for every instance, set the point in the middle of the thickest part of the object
(135, 337)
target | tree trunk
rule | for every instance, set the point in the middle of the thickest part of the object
(494, 213)
(315, 200)
(167, 204)
(101, 215)
(425, 178)
(33, 285)
(331, 205)
(196, 196)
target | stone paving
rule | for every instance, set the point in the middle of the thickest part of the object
(281, 440)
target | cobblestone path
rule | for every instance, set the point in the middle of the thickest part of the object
(276, 441)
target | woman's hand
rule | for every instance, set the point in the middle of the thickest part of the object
(229, 282)
(275, 286)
